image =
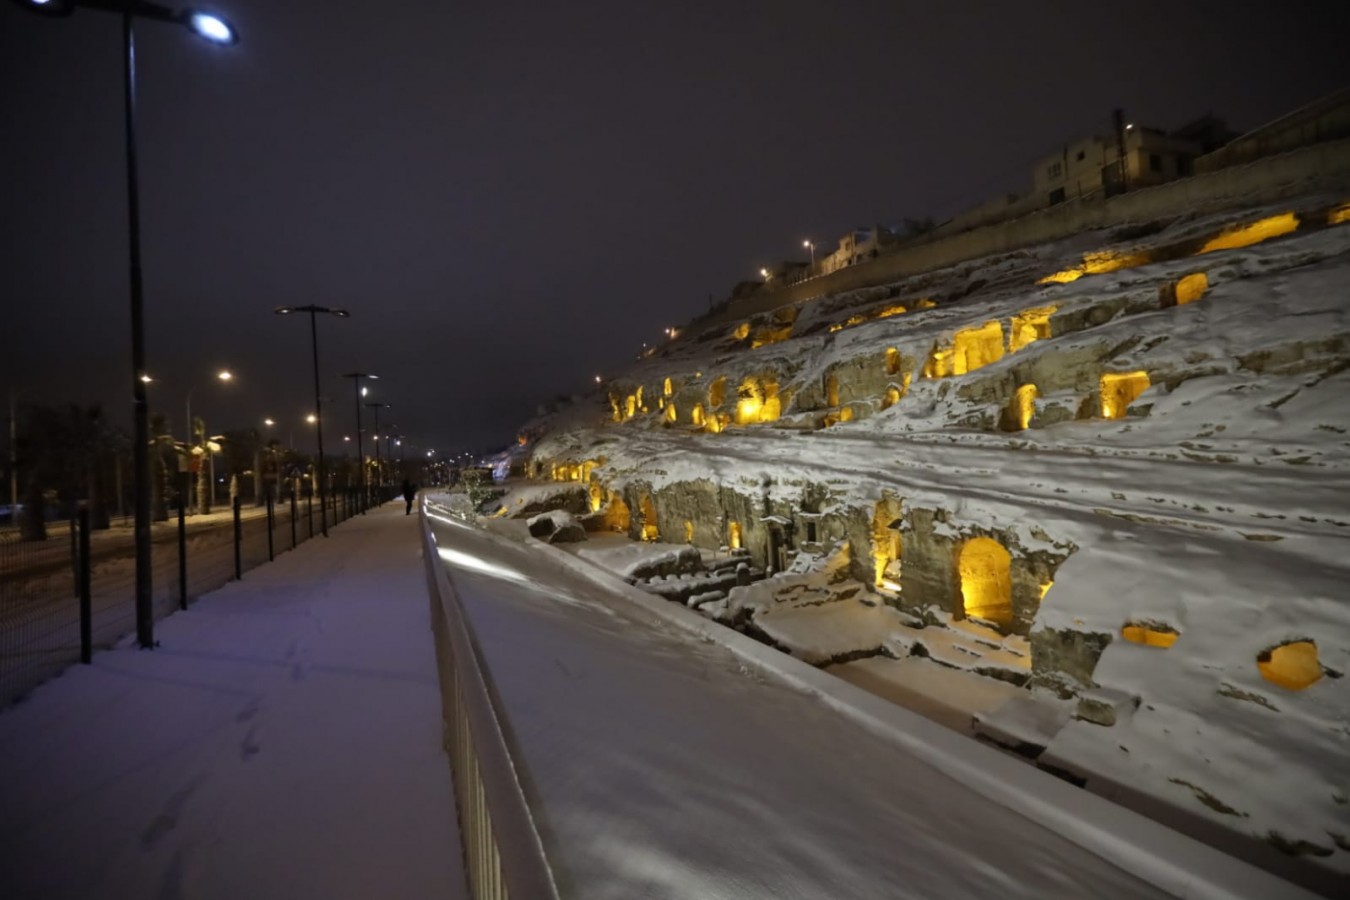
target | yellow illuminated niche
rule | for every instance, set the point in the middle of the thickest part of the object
(972, 348)
(617, 516)
(891, 397)
(688, 531)
(986, 580)
(614, 406)
(758, 401)
(1236, 236)
(1292, 666)
(640, 405)
(1339, 214)
(849, 322)
(660, 402)
(597, 496)
(734, 535)
(696, 414)
(1119, 390)
(650, 531)
(742, 331)
(1029, 326)
(629, 406)
(670, 412)
(1191, 288)
(1023, 407)
(832, 390)
(1150, 634)
(717, 392)
(765, 336)
(717, 422)
(846, 414)
(666, 388)
(886, 543)
(1045, 589)
(892, 361)
(889, 311)
(1098, 264)
(925, 303)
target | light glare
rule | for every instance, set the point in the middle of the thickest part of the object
(213, 28)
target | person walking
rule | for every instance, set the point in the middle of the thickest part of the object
(409, 492)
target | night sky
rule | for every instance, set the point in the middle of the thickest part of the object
(510, 198)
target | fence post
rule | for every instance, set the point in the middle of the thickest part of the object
(86, 596)
(309, 513)
(183, 481)
(238, 539)
(271, 521)
(294, 515)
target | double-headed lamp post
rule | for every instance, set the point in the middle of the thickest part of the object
(216, 30)
(318, 400)
(379, 474)
(360, 453)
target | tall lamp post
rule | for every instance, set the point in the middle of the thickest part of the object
(216, 30)
(318, 400)
(224, 376)
(377, 407)
(360, 453)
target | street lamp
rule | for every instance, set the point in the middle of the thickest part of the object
(215, 30)
(225, 377)
(812, 247)
(379, 474)
(360, 452)
(318, 400)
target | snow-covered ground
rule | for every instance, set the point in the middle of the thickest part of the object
(283, 741)
(666, 760)
(1215, 509)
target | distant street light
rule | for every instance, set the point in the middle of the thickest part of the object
(225, 376)
(360, 451)
(812, 247)
(379, 471)
(764, 273)
(217, 31)
(318, 399)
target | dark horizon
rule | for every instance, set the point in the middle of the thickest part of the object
(510, 201)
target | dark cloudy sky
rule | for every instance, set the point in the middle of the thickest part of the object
(510, 197)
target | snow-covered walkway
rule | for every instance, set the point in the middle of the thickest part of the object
(284, 741)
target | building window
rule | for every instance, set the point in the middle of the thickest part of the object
(1154, 162)
(1056, 170)
(1082, 155)
(1057, 196)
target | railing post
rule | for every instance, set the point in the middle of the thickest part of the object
(182, 538)
(295, 513)
(309, 513)
(86, 595)
(271, 522)
(238, 539)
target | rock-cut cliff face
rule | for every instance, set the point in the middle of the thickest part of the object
(1108, 474)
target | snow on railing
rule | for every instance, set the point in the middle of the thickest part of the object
(503, 855)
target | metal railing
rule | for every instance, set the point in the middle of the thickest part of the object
(40, 604)
(503, 855)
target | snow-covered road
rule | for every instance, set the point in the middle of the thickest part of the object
(661, 766)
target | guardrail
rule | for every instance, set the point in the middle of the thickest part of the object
(45, 626)
(503, 855)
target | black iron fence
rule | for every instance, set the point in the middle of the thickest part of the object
(47, 622)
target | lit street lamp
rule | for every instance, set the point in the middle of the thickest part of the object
(216, 30)
(360, 452)
(812, 247)
(379, 472)
(318, 400)
(224, 376)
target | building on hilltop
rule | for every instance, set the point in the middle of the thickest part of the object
(1092, 166)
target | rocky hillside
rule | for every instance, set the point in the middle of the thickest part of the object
(1097, 491)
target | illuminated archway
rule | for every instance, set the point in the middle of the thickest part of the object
(1292, 666)
(597, 496)
(650, 530)
(717, 392)
(985, 568)
(1150, 634)
(892, 361)
(688, 531)
(1023, 407)
(1119, 390)
(832, 390)
(891, 397)
(734, 535)
(886, 543)
(696, 414)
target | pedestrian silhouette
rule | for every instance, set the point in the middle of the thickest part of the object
(409, 492)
